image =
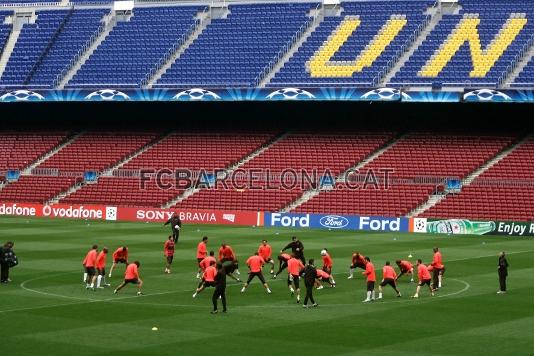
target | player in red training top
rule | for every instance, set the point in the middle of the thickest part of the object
(206, 262)
(424, 278)
(255, 264)
(227, 254)
(101, 268)
(282, 263)
(131, 276)
(405, 267)
(89, 263)
(119, 256)
(294, 266)
(371, 279)
(357, 261)
(437, 273)
(389, 276)
(325, 277)
(208, 279)
(327, 262)
(168, 252)
(265, 252)
(202, 252)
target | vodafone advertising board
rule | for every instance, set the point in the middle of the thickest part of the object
(111, 213)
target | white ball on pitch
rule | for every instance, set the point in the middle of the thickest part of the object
(154, 329)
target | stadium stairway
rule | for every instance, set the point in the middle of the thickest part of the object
(273, 68)
(181, 46)
(8, 48)
(522, 60)
(309, 194)
(109, 23)
(190, 191)
(50, 153)
(435, 199)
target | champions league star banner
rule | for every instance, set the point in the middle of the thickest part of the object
(470, 227)
(499, 96)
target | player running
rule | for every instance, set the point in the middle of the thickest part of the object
(282, 263)
(202, 251)
(168, 252)
(437, 272)
(371, 279)
(294, 266)
(265, 252)
(297, 249)
(101, 268)
(405, 267)
(357, 261)
(255, 264)
(208, 279)
(227, 254)
(119, 256)
(424, 278)
(389, 276)
(322, 276)
(89, 263)
(131, 276)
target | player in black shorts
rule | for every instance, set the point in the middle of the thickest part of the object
(389, 278)
(282, 263)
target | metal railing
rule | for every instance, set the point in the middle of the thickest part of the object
(515, 62)
(177, 45)
(32, 4)
(294, 39)
(82, 50)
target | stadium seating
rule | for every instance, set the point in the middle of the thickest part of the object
(503, 192)
(133, 48)
(4, 29)
(526, 77)
(302, 153)
(35, 189)
(18, 150)
(373, 17)
(235, 50)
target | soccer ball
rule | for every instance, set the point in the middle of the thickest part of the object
(290, 94)
(107, 95)
(382, 94)
(21, 95)
(323, 253)
(196, 94)
(486, 95)
(177, 227)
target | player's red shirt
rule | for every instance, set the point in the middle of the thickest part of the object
(358, 259)
(265, 252)
(322, 274)
(294, 266)
(119, 254)
(90, 259)
(422, 272)
(226, 253)
(206, 262)
(437, 262)
(370, 272)
(286, 256)
(202, 250)
(388, 272)
(168, 248)
(210, 273)
(327, 261)
(131, 272)
(406, 266)
(101, 260)
(255, 263)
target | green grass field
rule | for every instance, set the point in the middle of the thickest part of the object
(46, 310)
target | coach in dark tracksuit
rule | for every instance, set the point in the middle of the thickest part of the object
(220, 288)
(297, 248)
(309, 273)
(503, 272)
(8, 259)
(175, 222)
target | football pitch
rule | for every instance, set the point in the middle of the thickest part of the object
(46, 309)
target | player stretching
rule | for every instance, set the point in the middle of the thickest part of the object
(371, 279)
(101, 268)
(282, 263)
(294, 266)
(119, 256)
(327, 262)
(208, 279)
(325, 277)
(168, 252)
(227, 254)
(255, 264)
(405, 267)
(437, 272)
(206, 262)
(424, 278)
(265, 252)
(388, 277)
(202, 251)
(89, 262)
(131, 276)
(357, 261)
